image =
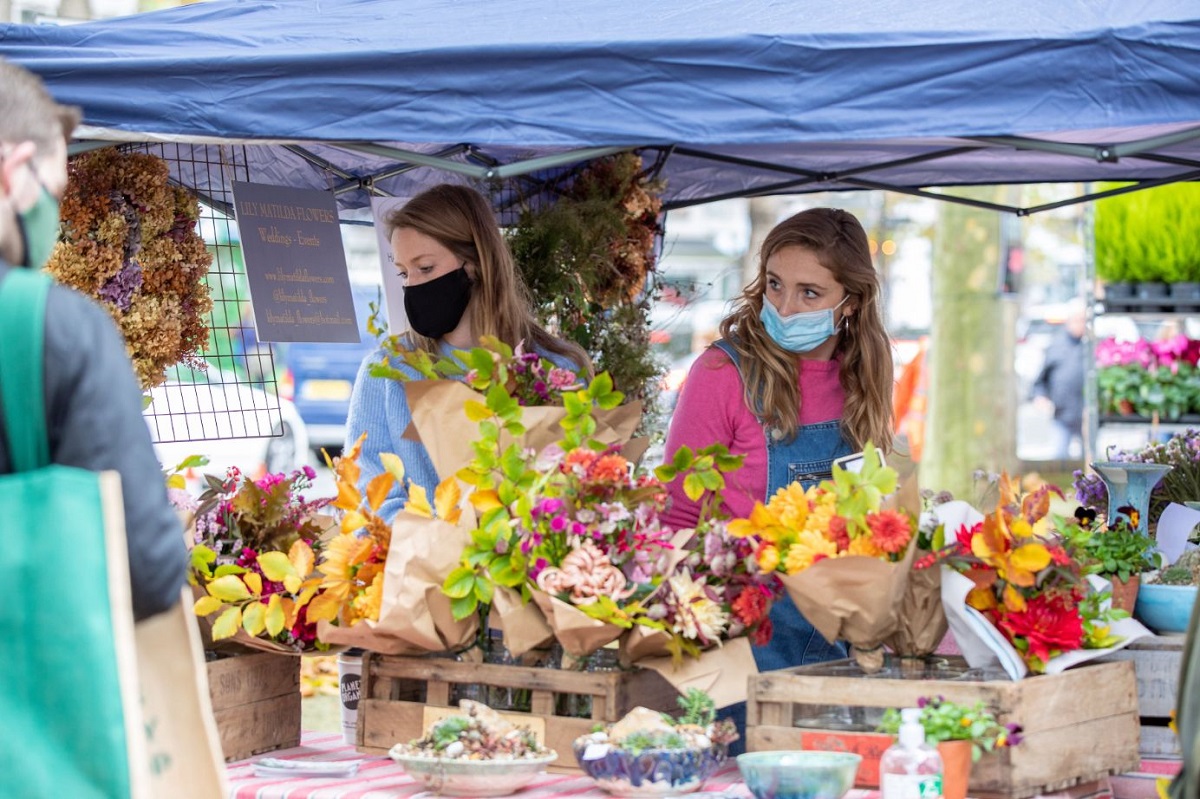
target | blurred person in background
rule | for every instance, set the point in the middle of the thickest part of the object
(1058, 389)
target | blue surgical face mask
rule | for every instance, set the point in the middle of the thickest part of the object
(800, 332)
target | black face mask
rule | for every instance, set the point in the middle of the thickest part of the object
(436, 307)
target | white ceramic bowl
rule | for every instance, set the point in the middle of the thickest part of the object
(473, 778)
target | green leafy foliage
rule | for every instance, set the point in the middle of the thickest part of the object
(1150, 235)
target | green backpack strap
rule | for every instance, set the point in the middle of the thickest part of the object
(22, 384)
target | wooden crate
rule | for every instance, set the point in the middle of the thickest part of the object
(1156, 661)
(400, 695)
(256, 702)
(1080, 726)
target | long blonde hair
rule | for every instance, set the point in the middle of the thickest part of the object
(461, 220)
(863, 350)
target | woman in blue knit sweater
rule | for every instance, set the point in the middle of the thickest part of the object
(460, 283)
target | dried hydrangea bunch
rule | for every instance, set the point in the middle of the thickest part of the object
(129, 239)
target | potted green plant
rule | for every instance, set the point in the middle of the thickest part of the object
(1120, 386)
(1119, 553)
(962, 734)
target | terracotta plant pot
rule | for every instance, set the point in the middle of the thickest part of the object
(956, 768)
(1124, 592)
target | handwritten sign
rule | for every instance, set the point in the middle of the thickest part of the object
(295, 264)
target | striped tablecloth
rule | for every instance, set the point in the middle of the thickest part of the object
(380, 778)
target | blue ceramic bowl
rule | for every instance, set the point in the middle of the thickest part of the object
(1165, 608)
(799, 775)
(650, 772)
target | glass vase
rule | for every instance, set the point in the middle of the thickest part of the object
(1129, 485)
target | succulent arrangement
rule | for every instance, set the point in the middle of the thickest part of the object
(643, 730)
(479, 733)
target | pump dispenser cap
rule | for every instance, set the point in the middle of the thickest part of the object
(912, 733)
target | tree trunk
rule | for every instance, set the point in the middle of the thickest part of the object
(971, 419)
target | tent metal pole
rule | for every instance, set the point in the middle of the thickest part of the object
(1098, 152)
(420, 159)
(1126, 149)
(1097, 195)
(519, 168)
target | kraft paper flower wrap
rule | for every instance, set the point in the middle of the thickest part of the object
(843, 560)
(383, 581)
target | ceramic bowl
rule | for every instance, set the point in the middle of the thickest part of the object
(458, 777)
(799, 775)
(1165, 608)
(649, 772)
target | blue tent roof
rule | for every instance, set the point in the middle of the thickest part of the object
(734, 97)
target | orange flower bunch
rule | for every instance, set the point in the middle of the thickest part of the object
(839, 517)
(353, 564)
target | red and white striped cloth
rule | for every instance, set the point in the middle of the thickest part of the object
(380, 778)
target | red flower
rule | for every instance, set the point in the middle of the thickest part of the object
(1048, 625)
(761, 636)
(1059, 556)
(965, 534)
(750, 606)
(890, 529)
(838, 534)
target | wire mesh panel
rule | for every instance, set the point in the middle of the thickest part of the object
(235, 395)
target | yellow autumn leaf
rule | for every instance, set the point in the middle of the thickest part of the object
(301, 557)
(1030, 558)
(254, 618)
(353, 521)
(276, 566)
(378, 488)
(177, 481)
(229, 588)
(226, 625)
(348, 497)
(326, 605)
(206, 605)
(393, 465)
(253, 581)
(274, 616)
(290, 609)
(1014, 600)
(484, 501)
(477, 411)
(292, 583)
(981, 598)
(418, 502)
(306, 595)
(446, 498)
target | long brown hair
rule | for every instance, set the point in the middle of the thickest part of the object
(461, 220)
(862, 351)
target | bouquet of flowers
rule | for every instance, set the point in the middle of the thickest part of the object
(1025, 579)
(253, 558)
(379, 578)
(835, 540)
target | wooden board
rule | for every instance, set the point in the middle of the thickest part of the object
(397, 690)
(256, 703)
(1157, 662)
(1080, 726)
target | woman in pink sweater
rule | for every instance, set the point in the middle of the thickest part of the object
(801, 376)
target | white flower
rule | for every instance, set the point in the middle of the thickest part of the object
(696, 617)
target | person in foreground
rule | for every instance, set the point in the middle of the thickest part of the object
(801, 376)
(93, 403)
(460, 283)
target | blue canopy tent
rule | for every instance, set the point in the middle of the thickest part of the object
(726, 98)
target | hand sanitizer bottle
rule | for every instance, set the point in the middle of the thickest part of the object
(910, 769)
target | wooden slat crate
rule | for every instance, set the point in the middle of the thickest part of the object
(1156, 661)
(397, 690)
(256, 703)
(1080, 726)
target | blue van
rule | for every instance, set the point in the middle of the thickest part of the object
(319, 377)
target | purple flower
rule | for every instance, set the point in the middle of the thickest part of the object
(310, 472)
(119, 289)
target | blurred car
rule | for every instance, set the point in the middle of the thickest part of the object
(319, 377)
(227, 420)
